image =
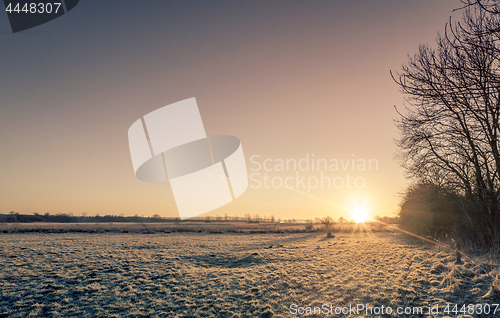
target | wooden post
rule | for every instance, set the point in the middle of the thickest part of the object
(459, 255)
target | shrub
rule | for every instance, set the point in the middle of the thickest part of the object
(428, 209)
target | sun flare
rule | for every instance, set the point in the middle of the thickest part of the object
(359, 215)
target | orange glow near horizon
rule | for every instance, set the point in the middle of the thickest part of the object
(310, 89)
(360, 214)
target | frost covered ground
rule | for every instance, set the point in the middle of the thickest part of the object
(232, 275)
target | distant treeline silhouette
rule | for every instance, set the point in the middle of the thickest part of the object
(15, 217)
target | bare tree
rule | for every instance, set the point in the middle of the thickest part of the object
(309, 225)
(327, 221)
(489, 6)
(450, 130)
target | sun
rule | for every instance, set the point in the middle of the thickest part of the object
(359, 214)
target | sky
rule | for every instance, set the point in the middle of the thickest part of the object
(291, 79)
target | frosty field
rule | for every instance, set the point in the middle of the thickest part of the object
(232, 275)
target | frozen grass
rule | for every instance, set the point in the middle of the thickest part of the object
(209, 227)
(227, 275)
(213, 227)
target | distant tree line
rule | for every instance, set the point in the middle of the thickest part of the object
(15, 217)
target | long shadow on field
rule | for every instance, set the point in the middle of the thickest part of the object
(226, 260)
(249, 256)
(294, 239)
